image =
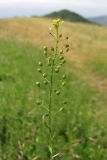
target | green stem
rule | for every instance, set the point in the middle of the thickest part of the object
(50, 94)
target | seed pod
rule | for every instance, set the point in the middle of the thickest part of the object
(60, 36)
(61, 51)
(49, 64)
(67, 50)
(63, 83)
(67, 37)
(67, 45)
(45, 48)
(63, 61)
(65, 102)
(58, 67)
(45, 53)
(39, 70)
(57, 92)
(52, 48)
(64, 76)
(61, 109)
(38, 84)
(45, 82)
(40, 63)
(56, 70)
(44, 75)
(49, 61)
(38, 102)
(50, 29)
(61, 57)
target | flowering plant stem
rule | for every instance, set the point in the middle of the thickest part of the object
(55, 60)
(50, 94)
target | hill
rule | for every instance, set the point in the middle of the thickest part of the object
(67, 16)
(100, 20)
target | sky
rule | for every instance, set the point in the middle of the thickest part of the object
(86, 8)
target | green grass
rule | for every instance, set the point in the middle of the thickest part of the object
(99, 67)
(78, 129)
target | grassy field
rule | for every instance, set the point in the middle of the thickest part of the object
(81, 128)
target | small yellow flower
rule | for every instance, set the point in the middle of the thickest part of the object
(57, 23)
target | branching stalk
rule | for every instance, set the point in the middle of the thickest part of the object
(50, 94)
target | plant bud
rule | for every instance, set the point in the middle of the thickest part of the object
(40, 63)
(38, 84)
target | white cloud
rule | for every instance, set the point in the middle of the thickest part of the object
(26, 7)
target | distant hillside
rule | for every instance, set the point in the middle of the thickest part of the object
(100, 20)
(67, 16)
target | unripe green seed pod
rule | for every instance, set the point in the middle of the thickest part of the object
(45, 53)
(45, 82)
(64, 76)
(61, 52)
(65, 102)
(39, 70)
(45, 48)
(67, 50)
(52, 49)
(63, 61)
(44, 75)
(67, 45)
(38, 102)
(63, 83)
(49, 59)
(56, 70)
(61, 109)
(61, 57)
(60, 35)
(67, 37)
(40, 63)
(57, 92)
(38, 84)
(49, 63)
(58, 67)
